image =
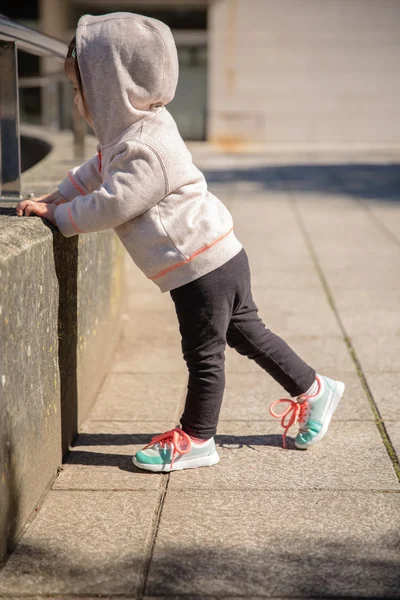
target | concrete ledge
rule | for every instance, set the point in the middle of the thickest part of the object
(60, 303)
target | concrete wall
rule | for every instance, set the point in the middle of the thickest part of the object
(313, 72)
(59, 320)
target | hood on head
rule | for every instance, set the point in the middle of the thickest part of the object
(128, 64)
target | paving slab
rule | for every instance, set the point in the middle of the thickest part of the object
(149, 298)
(328, 355)
(352, 229)
(139, 396)
(248, 395)
(288, 278)
(274, 257)
(380, 310)
(385, 390)
(336, 206)
(101, 458)
(300, 313)
(351, 457)
(381, 356)
(152, 357)
(368, 272)
(388, 215)
(149, 325)
(270, 242)
(278, 544)
(83, 543)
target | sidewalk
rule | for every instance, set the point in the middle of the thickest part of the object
(324, 248)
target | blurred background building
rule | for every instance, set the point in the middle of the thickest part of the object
(310, 73)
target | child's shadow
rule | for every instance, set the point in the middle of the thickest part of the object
(124, 462)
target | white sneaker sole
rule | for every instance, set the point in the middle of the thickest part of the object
(333, 404)
(201, 461)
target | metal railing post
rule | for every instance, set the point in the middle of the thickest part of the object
(10, 153)
(12, 36)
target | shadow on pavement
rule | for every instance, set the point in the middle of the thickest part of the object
(306, 568)
(363, 181)
(124, 462)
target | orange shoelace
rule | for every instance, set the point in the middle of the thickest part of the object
(172, 438)
(295, 412)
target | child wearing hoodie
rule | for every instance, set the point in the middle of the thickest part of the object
(144, 185)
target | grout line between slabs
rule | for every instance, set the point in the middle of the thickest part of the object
(378, 223)
(352, 351)
(140, 593)
(141, 590)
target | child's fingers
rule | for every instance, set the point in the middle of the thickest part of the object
(29, 209)
(36, 209)
(21, 206)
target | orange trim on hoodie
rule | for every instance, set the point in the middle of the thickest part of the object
(184, 262)
(72, 220)
(76, 185)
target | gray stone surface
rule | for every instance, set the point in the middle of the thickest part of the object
(144, 296)
(60, 302)
(83, 543)
(264, 522)
(300, 313)
(154, 356)
(327, 354)
(351, 227)
(248, 395)
(139, 396)
(100, 289)
(287, 278)
(380, 357)
(30, 404)
(351, 457)
(283, 543)
(146, 324)
(385, 390)
(386, 215)
(150, 341)
(393, 429)
(380, 311)
(363, 274)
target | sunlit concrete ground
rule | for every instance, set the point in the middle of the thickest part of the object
(323, 237)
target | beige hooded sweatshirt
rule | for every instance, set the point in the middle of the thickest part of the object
(143, 183)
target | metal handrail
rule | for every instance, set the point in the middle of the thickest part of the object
(30, 40)
(13, 37)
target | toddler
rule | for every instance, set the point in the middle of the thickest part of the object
(144, 185)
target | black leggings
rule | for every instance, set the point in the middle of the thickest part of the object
(212, 311)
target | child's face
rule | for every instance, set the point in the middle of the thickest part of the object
(79, 100)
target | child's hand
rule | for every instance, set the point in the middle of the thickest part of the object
(54, 198)
(42, 209)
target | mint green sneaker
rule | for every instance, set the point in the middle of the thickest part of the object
(174, 450)
(313, 413)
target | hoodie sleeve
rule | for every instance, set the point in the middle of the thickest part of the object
(81, 180)
(134, 182)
